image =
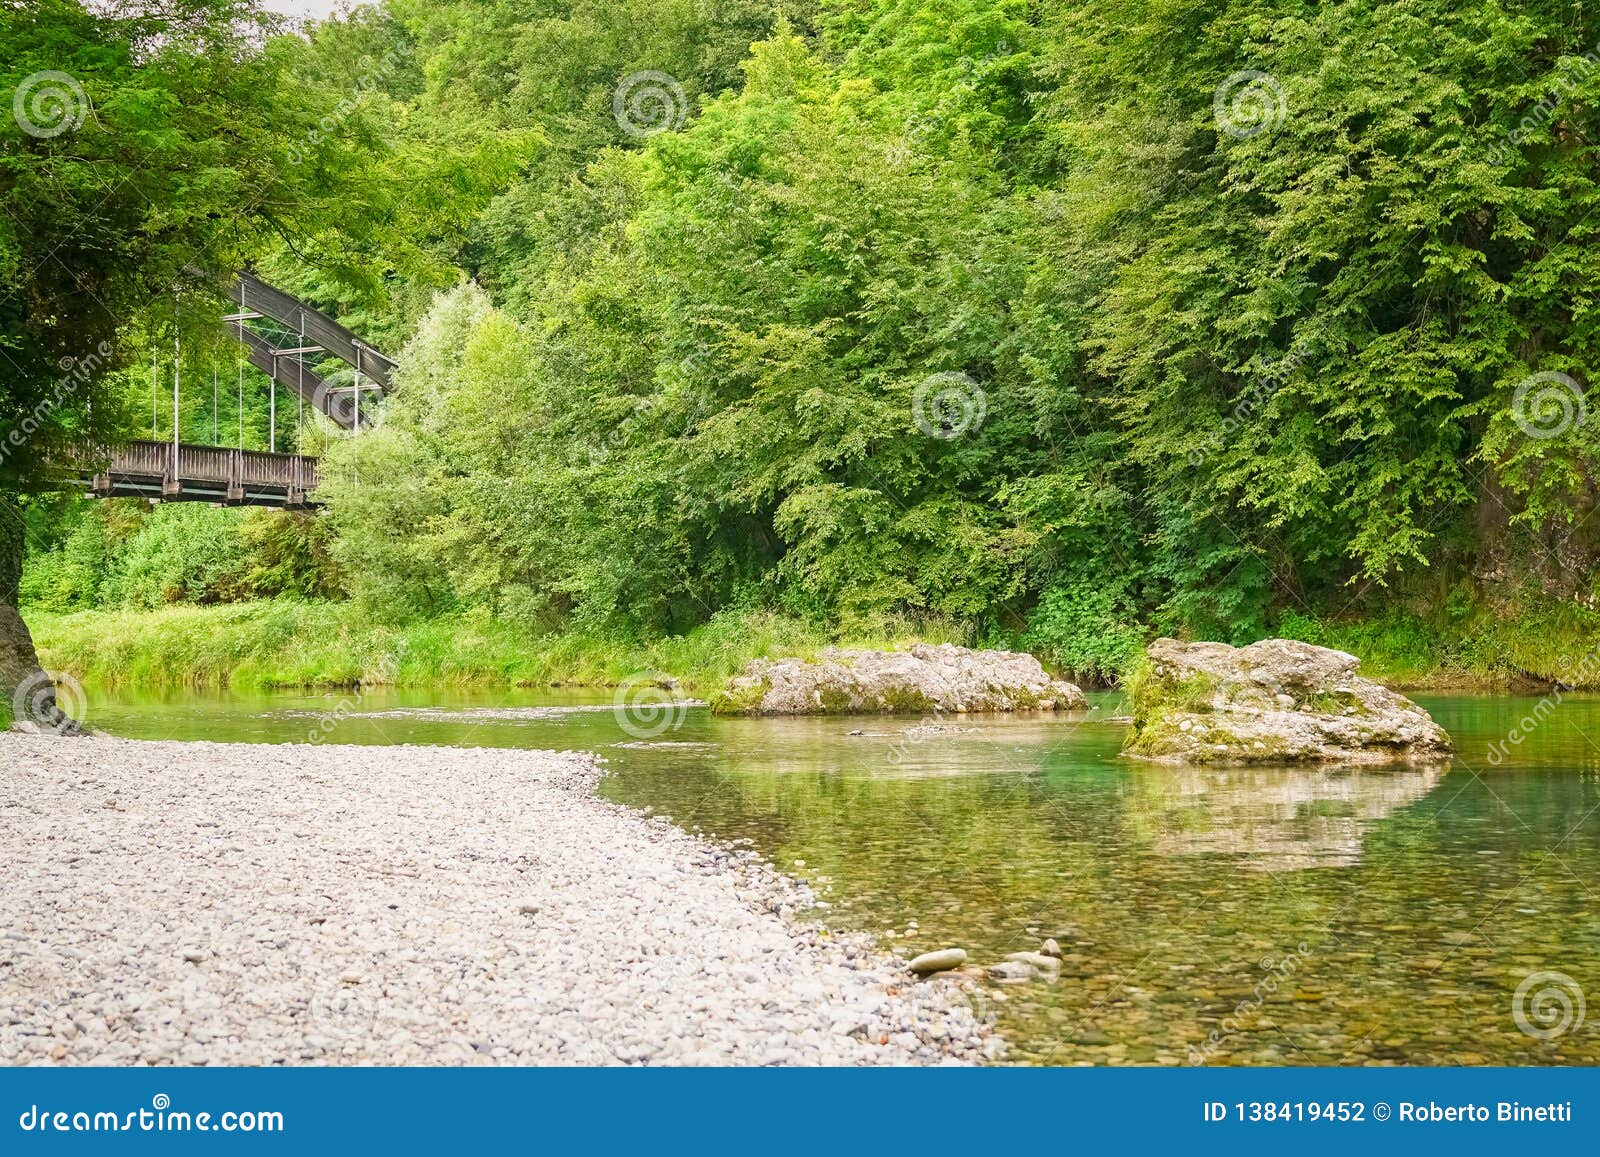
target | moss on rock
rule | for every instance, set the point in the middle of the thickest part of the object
(1278, 701)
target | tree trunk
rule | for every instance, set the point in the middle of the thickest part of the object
(27, 694)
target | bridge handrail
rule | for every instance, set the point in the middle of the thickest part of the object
(218, 464)
(251, 293)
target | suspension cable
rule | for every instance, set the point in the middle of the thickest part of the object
(177, 363)
(300, 390)
(238, 361)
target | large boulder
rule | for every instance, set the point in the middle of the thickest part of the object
(924, 679)
(27, 694)
(1276, 701)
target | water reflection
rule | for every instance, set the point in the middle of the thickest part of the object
(1424, 896)
(1272, 819)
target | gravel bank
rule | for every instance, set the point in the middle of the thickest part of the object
(190, 903)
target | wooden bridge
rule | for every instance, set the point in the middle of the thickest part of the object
(177, 472)
(314, 333)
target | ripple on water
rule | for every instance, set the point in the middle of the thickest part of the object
(1237, 916)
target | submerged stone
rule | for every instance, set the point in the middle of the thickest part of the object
(941, 961)
(1010, 970)
(926, 679)
(1276, 701)
(1039, 960)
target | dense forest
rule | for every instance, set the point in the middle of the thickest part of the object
(1050, 324)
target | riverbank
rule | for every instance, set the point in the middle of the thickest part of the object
(186, 903)
(322, 645)
(287, 645)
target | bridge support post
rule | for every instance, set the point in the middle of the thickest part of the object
(235, 494)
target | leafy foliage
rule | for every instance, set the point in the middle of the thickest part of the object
(119, 554)
(1207, 377)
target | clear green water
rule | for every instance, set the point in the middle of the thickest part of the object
(1206, 916)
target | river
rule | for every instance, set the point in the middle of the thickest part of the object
(1442, 915)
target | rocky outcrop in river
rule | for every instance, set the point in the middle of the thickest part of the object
(926, 678)
(1276, 701)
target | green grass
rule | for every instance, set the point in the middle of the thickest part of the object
(297, 644)
(1467, 647)
(317, 644)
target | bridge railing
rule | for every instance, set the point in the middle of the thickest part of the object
(214, 464)
(150, 468)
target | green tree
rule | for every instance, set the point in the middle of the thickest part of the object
(147, 142)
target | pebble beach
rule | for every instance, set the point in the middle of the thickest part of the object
(200, 903)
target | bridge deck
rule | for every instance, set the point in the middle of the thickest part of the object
(144, 469)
